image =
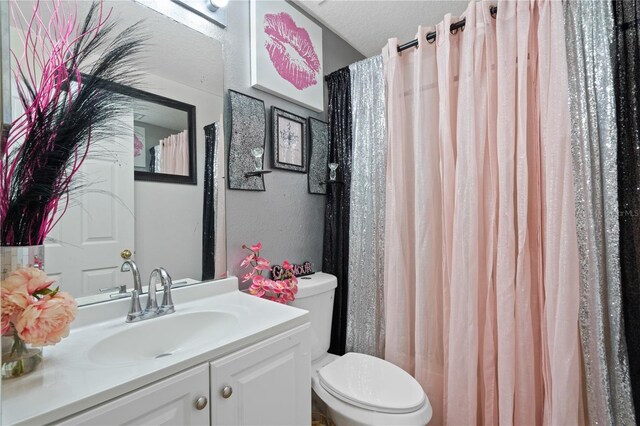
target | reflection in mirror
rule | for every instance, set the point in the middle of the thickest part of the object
(116, 217)
(163, 139)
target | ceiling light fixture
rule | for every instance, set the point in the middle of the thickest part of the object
(214, 5)
(211, 10)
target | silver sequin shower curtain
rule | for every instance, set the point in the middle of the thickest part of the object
(594, 145)
(365, 314)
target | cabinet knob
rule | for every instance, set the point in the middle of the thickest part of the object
(226, 392)
(201, 403)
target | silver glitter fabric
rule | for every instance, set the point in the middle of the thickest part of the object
(589, 36)
(365, 314)
(317, 175)
(248, 131)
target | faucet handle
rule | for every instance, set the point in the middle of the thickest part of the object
(135, 311)
(122, 291)
(120, 288)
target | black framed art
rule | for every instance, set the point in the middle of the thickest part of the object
(289, 139)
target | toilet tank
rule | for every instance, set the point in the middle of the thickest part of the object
(315, 294)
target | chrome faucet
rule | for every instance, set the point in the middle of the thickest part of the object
(135, 310)
(152, 310)
(167, 302)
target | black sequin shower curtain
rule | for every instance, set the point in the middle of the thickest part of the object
(335, 258)
(627, 80)
(209, 204)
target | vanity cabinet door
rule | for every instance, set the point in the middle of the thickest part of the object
(171, 401)
(268, 383)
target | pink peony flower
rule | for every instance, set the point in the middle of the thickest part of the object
(287, 266)
(46, 321)
(6, 324)
(257, 246)
(32, 279)
(14, 302)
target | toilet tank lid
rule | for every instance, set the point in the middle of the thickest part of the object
(315, 284)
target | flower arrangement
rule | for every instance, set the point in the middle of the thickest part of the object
(67, 105)
(281, 291)
(32, 312)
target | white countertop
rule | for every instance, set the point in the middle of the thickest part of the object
(68, 382)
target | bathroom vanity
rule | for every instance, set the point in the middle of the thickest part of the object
(224, 357)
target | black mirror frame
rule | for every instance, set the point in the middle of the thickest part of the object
(192, 177)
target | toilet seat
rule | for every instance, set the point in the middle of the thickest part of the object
(372, 384)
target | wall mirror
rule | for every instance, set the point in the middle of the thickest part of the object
(164, 135)
(123, 212)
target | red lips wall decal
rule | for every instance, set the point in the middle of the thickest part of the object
(291, 51)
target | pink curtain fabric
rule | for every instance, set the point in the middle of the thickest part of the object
(175, 154)
(481, 262)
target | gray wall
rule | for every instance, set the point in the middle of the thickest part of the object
(285, 218)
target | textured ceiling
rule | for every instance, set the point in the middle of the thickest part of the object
(368, 24)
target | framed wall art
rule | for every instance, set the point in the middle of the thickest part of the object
(248, 133)
(286, 53)
(289, 139)
(318, 162)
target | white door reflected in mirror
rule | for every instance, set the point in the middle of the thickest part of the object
(83, 251)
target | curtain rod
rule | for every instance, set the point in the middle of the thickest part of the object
(454, 27)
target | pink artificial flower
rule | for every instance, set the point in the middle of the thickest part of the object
(247, 260)
(46, 321)
(32, 279)
(248, 276)
(268, 284)
(257, 280)
(257, 246)
(278, 288)
(256, 290)
(287, 291)
(287, 266)
(262, 264)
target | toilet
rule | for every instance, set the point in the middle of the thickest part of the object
(355, 389)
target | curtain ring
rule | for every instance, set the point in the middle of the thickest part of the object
(453, 31)
(432, 40)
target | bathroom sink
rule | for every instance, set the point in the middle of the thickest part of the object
(162, 337)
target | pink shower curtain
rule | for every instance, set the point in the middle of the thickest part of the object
(175, 154)
(481, 262)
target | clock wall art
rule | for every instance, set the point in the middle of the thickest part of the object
(286, 53)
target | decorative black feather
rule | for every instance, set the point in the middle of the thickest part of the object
(61, 133)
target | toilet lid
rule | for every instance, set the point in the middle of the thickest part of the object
(372, 383)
